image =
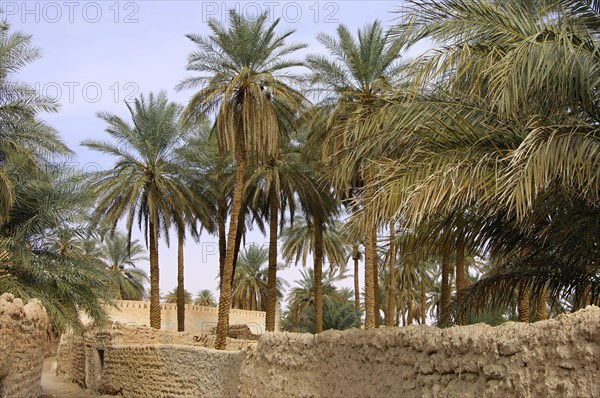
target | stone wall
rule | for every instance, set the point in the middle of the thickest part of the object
(197, 318)
(71, 358)
(143, 362)
(23, 343)
(170, 371)
(556, 358)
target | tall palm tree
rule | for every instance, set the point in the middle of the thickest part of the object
(493, 132)
(445, 290)
(145, 184)
(212, 174)
(278, 184)
(353, 76)
(200, 212)
(246, 80)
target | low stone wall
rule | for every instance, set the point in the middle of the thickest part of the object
(23, 343)
(197, 318)
(144, 362)
(556, 358)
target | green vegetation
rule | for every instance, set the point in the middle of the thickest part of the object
(339, 311)
(206, 298)
(250, 288)
(171, 297)
(465, 181)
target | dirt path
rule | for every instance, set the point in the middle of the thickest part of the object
(54, 386)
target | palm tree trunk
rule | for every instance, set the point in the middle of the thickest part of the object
(180, 285)
(541, 311)
(221, 219)
(389, 319)
(445, 291)
(356, 282)
(409, 301)
(318, 264)
(272, 270)
(154, 285)
(461, 280)
(236, 205)
(423, 297)
(370, 259)
(376, 295)
(402, 308)
(523, 302)
(386, 303)
(238, 241)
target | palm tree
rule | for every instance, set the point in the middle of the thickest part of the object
(487, 143)
(302, 298)
(312, 235)
(145, 182)
(356, 256)
(25, 140)
(212, 174)
(250, 286)
(445, 290)
(120, 257)
(338, 314)
(250, 280)
(206, 298)
(199, 212)
(247, 85)
(38, 201)
(353, 76)
(278, 183)
(32, 266)
(172, 296)
(391, 257)
(66, 240)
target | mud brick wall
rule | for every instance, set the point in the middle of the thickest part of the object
(170, 371)
(197, 318)
(555, 358)
(23, 343)
(71, 358)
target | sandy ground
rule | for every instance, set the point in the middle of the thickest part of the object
(54, 386)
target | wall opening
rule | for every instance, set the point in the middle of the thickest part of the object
(101, 359)
(96, 369)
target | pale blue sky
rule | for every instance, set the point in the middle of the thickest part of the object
(96, 54)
